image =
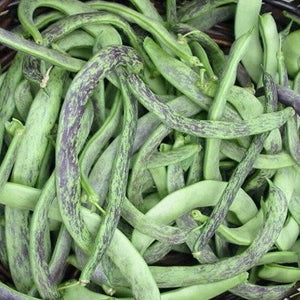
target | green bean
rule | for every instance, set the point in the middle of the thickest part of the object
(207, 291)
(41, 118)
(117, 188)
(209, 18)
(23, 98)
(199, 51)
(140, 165)
(40, 21)
(280, 257)
(53, 56)
(270, 39)
(208, 192)
(171, 12)
(147, 8)
(292, 139)
(244, 102)
(7, 292)
(291, 53)
(17, 130)
(243, 235)
(177, 73)
(263, 161)
(175, 172)
(75, 39)
(187, 222)
(151, 25)
(173, 156)
(246, 17)
(296, 86)
(215, 129)
(228, 77)
(7, 104)
(70, 23)
(94, 145)
(58, 265)
(294, 206)
(235, 182)
(252, 292)
(16, 233)
(99, 103)
(157, 252)
(288, 234)
(2, 77)
(159, 176)
(39, 238)
(46, 167)
(279, 273)
(66, 156)
(26, 169)
(214, 53)
(27, 8)
(273, 143)
(145, 225)
(195, 171)
(193, 10)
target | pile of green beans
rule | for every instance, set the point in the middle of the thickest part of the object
(139, 160)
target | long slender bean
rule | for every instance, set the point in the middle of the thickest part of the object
(53, 56)
(117, 188)
(215, 129)
(212, 146)
(39, 235)
(68, 187)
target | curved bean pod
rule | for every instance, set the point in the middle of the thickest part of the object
(154, 27)
(215, 54)
(208, 129)
(53, 56)
(117, 188)
(228, 77)
(26, 9)
(68, 174)
(208, 193)
(252, 292)
(38, 244)
(137, 178)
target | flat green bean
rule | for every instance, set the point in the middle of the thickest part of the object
(279, 273)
